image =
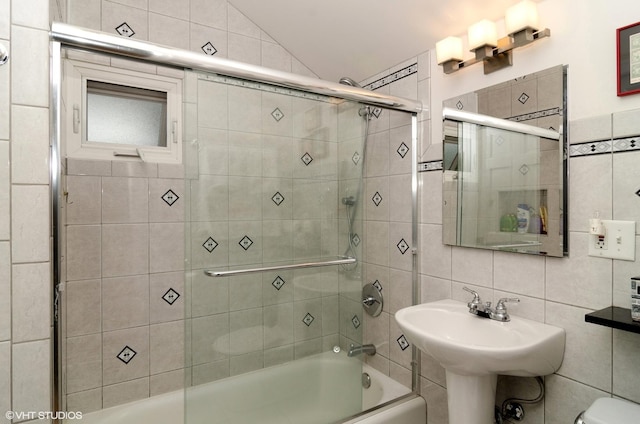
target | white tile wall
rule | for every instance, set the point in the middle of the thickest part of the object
(31, 290)
(557, 280)
(5, 94)
(24, 223)
(31, 376)
(5, 379)
(29, 155)
(5, 291)
(559, 291)
(30, 223)
(28, 61)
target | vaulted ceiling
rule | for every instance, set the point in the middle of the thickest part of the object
(357, 38)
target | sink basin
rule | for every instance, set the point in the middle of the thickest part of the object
(468, 344)
(474, 350)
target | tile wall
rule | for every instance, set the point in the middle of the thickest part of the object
(212, 27)
(25, 286)
(142, 300)
(387, 214)
(264, 189)
(559, 291)
(125, 291)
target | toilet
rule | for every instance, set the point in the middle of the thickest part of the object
(610, 411)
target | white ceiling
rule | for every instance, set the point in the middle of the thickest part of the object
(357, 38)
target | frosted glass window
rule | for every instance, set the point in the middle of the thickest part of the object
(126, 115)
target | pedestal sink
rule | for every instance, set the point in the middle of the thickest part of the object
(474, 350)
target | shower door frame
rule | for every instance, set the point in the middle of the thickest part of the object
(73, 37)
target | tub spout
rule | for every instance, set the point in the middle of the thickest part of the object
(354, 350)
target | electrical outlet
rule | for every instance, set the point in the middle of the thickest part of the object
(618, 242)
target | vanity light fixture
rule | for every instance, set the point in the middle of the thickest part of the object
(521, 22)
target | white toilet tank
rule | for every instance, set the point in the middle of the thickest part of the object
(610, 411)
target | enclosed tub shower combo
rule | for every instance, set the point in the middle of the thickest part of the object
(211, 239)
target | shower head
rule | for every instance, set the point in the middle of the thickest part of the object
(349, 81)
(365, 112)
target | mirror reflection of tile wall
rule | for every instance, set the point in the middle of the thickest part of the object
(523, 172)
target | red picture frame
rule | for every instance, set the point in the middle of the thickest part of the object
(628, 59)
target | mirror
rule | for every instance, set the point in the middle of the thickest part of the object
(505, 166)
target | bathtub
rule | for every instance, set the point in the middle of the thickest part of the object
(319, 389)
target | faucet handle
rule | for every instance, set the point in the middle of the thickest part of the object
(500, 313)
(476, 297)
(502, 301)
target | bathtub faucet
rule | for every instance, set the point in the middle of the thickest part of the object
(354, 350)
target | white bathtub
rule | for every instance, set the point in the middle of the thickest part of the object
(320, 389)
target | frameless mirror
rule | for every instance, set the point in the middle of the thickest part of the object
(505, 166)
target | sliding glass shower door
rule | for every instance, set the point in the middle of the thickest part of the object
(274, 233)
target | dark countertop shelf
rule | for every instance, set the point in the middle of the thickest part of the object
(614, 317)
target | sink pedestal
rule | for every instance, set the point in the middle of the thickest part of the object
(471, 398)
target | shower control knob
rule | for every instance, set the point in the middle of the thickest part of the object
(371, 300)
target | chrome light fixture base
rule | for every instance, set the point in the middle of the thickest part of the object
(499, 57)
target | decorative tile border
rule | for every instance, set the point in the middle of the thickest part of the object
(434, 165)
(617, 145)
(590, 148)
(535, 115)
(396, 76)
(626, 144)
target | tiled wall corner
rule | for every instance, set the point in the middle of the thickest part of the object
(25, 352)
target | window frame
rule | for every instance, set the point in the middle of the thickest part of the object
(78, 74)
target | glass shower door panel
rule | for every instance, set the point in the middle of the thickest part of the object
(265, 181)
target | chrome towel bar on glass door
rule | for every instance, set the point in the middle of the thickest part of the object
(342, 260)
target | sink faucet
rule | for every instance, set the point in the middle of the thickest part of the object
(500, 313)
(354, 350)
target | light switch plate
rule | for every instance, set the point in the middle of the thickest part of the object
(619, 241)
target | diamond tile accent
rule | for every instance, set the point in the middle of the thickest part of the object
(126, 354)
(278, 283)
(377, 199)
(245, 243)
(499, 140)
(355, 158)
(376, 111)
(277, 198)
(125, 30)
(308, 319)
(402, 246)
(170, 296)
(403, 150)
(377, 285)
(277, 114)
(210, 244)
(638, 193)
(355, 239)
(523, 98)
(209, 49)
(460, 105)
(306, 159)
(402, 342)
(170, 197)
(524, 169)
(355, 321)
